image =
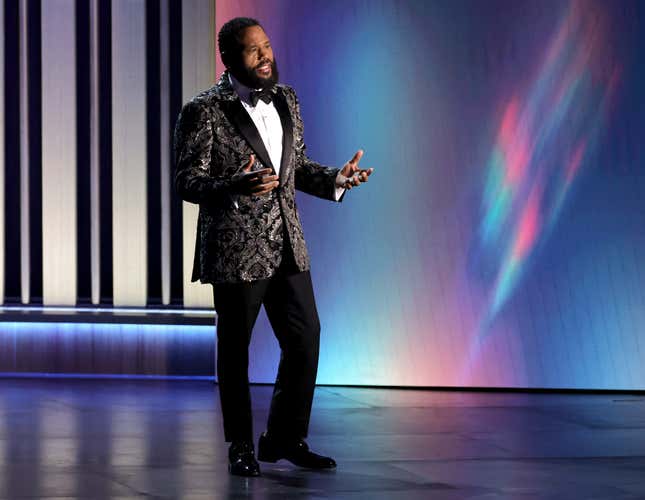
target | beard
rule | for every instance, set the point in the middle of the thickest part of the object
(250, 78)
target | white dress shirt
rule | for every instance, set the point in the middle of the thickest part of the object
(267, 121)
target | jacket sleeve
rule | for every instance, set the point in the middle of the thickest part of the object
(310, 176)
(193, 144)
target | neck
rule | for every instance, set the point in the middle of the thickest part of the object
(242, 90)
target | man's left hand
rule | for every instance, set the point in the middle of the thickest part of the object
(353, 173)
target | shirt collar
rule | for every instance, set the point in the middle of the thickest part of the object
(242, 90)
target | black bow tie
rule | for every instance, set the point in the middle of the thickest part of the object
(265, 94)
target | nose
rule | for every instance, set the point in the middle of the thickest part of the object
(264, 53)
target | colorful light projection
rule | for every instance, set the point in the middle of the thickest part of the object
(422, 87)
(543, 138)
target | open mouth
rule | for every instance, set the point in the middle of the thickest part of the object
(264, 69)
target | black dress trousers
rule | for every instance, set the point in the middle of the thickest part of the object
(290, 306)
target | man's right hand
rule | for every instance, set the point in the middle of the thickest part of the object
(257, 182)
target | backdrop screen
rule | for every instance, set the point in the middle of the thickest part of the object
(500, 241)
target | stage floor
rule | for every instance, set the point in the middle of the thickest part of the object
(95, 439)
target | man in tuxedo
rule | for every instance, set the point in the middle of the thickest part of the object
(240, 155)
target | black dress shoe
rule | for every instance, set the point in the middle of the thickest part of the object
(296, 451)
(241, 459)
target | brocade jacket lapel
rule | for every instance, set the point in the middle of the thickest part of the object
(287, 135)
(235, 112)
(238, 116)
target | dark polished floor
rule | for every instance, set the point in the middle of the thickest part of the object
(67, 438)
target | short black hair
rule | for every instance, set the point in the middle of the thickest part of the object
(228, 38)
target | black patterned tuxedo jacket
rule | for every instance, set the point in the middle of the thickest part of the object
(214, 139)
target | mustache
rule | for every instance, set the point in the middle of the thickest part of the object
(262, 63)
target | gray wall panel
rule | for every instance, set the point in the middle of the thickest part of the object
(95, 243)
(129, 153)
(165, 131)
(198, 73)
(2, 155)
(24, 157)
(59, 151)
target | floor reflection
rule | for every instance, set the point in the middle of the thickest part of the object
(141, 439)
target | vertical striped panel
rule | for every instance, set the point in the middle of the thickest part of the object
(2, 148)
(24, 155)
(34, 130)
(164, 132)
(83, 155)
(95, 242)
(11, 152)
(59, 151)
(198, 70)
(175, 102)
(129, 188)
(104, 181)
(153, 150)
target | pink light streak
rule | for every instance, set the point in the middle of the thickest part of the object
(528, 227)
(575, 162)
(565, 103)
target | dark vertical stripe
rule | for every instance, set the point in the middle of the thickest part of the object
(105, 148)
(34, 39)
(12, 153)
(83, 188)
(176, 230)
(153, 145)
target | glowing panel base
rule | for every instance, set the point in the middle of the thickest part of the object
(107, 349)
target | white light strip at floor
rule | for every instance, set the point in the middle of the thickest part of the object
(103, 376)
(109, 310)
